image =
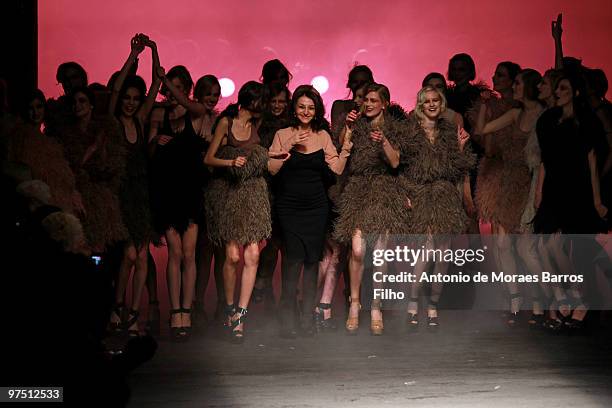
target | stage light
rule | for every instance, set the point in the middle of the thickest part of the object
(320, 83)
(227, 87)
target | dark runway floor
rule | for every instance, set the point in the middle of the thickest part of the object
(473, 360)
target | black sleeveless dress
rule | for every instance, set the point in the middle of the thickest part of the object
(134, 190)
(176, 178)
(302, 205)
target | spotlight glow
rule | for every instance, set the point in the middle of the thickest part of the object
(227, 87)
(320, 83)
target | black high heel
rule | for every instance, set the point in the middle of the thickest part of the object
(412, 319)
(432, 322)
(513, 317)
(118, 310)
(557, 323)
(176, 333)
(237, 335)
(132, 319)
(186, 329)
(229, 311)
(321, 323)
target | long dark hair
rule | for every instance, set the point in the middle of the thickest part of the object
(132, 81)
(318, 122)
(249, 98)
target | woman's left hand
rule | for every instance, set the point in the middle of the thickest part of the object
(602, 210)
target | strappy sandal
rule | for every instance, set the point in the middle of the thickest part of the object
(176, 333)
(376, 326)
(322, 324)
(432, 322)
(132, 320)
(513, 317)
(237, 335)
(352, 323)
(557, 323)
(114, 327)
(229, 311)
(186, 329)
(412, 319)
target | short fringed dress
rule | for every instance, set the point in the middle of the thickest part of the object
(373, 201)
(431, 174)
(567, 194)
(237, 203)
(134, 192)
(301, 201)
(515, 179)
(98, 179)
(176, 178)
(489, 179)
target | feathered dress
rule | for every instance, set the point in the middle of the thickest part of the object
(372, 201)
(44, 155)
(489, 179)
(431, 174)
(98, 178)
(237, 203)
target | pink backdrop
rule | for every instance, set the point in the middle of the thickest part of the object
(401, 41)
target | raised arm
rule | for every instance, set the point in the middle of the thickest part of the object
(503, 121)
(195, 108)
(557, 31)
(217, 141)
(146, 108)
(137, 46)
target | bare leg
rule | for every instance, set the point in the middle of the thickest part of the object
(232, 257)
(188, 272)
(173, 274)
(356, 273)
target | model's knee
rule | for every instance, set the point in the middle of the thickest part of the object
(251, 255)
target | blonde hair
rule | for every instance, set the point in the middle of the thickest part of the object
(420, 101)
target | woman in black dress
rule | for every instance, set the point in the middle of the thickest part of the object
(306, 154)
(568, 198)
(176, 190)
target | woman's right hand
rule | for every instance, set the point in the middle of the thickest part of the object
(163, 140)
(557, 27)
(239, 161)
(137, 45)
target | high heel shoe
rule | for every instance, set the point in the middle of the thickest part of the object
(562, 313)
(322, 324)
(118, 310)
(352, 323)
(186, 330)
(412, 319)
(153, 326)
(513, 317)
(432, 321)
(131, 321)
(176, 332)
(377, 326)
(237, 335)
(229, 311)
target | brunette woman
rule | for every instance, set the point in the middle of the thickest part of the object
(306, 155)
(237, 203)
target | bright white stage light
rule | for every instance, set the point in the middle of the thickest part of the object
(227, 87)
(320, 83)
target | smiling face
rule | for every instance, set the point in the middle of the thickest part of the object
(130, 102)
(82, 105)
(373, 104)
(210, 98)
(36, 111)
(501, 79)
(278, 104)
(564, 93)
(305, 110)
(432, 105)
